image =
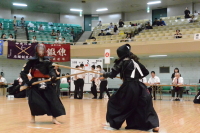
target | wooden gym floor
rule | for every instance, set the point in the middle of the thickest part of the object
(87, 116)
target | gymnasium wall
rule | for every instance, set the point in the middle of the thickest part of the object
(36, 16)
(107, 18)
(5, 13)
(72, 19)
(189, 69)
(178, 9)
(138, 15)
(197, 7)
(171, 11)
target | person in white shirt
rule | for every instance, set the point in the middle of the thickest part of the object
(63, 41)
(34, 39)
(153, 81)
(99, 23)
(79, 83)
(128, 38)
(64, 80)
(41, 28)
(2, 80)
(143, 80)
(177, 82)
(10, 37)
(110, 26)
(57, 41)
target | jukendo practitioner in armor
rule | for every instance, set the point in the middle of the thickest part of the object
(42, 98)
(132, 102)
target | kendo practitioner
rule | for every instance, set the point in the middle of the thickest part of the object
(43, 98)
(132, 102)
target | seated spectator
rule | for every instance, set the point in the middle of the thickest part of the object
(99, 23)
(196, 14)
(1, 26)
(63, 80)
(156, 22)
(3, 36)
(161, 23)
(57, 41)
(101, 34)
(58, 33)
(63, 41)
(41, 27)
(53, 33)
(10, 37)
(153, 81)
(22, 22)
(110, 26)
(15, 20)
(193, 19)
(30, 24)
(177, 81)
(128, 38)
(116, 31)
(34, 39)
(131, 25)
(178, 34)
(149, 26)
(121, 23)
(187, 13)
(2, 80)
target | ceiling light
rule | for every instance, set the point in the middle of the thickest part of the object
(19, 4)
(157, 55)
(154, 2)
(77, 10)
(103, 9)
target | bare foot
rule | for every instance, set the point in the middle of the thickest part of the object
(32, 119)
(156, 129)
(55, 121)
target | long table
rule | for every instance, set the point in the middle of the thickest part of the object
(159, 88)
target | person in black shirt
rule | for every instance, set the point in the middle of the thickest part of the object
(149, 26)
(121, 23)
(156, 22)
(93, 87)
(187, 13)
(57, 71)
(101, 34)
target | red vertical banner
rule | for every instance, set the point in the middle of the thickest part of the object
(60, 52)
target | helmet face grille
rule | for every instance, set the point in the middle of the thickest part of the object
(40, 50)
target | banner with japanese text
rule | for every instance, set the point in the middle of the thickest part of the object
(60, 52)
(1, 47)
(18, 50)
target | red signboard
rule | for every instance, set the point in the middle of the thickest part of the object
(60, 52)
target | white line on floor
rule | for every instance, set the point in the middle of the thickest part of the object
(39, 127)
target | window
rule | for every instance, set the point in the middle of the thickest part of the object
(164, 70)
